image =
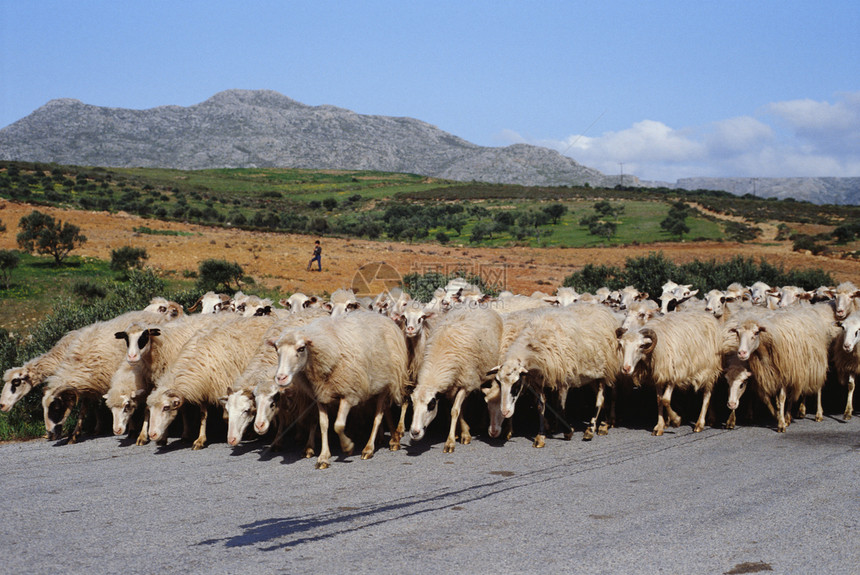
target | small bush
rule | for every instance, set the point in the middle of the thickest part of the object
(127, 257)
(218, 275)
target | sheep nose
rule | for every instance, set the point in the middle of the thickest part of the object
(743, 354)
(733, 405)
(628, 369)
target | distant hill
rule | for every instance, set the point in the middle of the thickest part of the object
(260, 128)
(242, 129)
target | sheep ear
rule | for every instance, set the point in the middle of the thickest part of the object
(651, 335)
(308, 342)
(642, 296)
(494, 371)
(620, 331)
(552, 300)
(272, 342)
(154, 331)
(105, 396)
(223, 400)
(121, 335)
(327, 306)
(176, 401)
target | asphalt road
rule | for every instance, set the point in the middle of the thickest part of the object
(743, 501)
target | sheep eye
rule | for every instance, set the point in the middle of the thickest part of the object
(432, 405)
(300, 349)
(143, 340)
(517, 389)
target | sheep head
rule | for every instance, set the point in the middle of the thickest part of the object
(17, 382)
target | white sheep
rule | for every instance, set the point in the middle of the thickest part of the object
(845, 299)
(787, 352)
(150, 349)
(299, 301)
(462, 347)
(242, 402)
(206, 366)
(341, 301)
(211, 302)
(639, 313)
(87, 369)
(347, 361)
(561, 349)
(846, 357)
(683, 350)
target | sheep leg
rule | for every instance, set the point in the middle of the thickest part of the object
(730, 422)
(381, 408)
(801, 408)
(324, 459)
(465, 431)
(562, 403)
(309, 444)
(455, 417)
(700, 423)
(780, 415)
(346, 444)
(598, 404)
(540, 438)
(200, 442)
(187, 430)
(610, 422)
(76, 433)
(674, 418)
(143, 436)
(397, 435)
(661, 423)
(849, 405)
(819, 410)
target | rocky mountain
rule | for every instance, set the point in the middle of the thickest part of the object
(240, 128)
(260, 128)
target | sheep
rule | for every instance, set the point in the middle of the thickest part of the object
(87, 368)
(345, 360)
(629, 295)
(672, 297)
(19, 381)
(299, 301)
(561, 349)
(341, 301)
(206, 366)
(846, 357)
(461, 349)
(211, 302)
(791, 295)
(242, 404)
(683, 350)
(737, 374)
(844, 297)
(639, 313)
(149, 350)
(164, 306)
(787, 354)
(564, 296)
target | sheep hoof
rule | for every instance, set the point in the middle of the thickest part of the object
(323, 465)
(568, 435)
(367, 454)
(657, 431)
(540, 441)
(465, 439)
(394, 445)
(801, 410)
(730, 425)
(588, 435)
(676, 422)
(309, 452)
(819, 418)
(73, 438)
(780, 429)
(699, 427)
(449, 446)
(142, 440)
(198, 444)
(847, 415)
(603, 429)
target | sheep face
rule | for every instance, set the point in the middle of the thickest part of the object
(790, 295)
(737, 375)
(164, 307)
(239, 411)
(638, 315)
(758, 293)
(163, 409)
(425, 406)
(844, 301)
(565, 297)
(56, 407)
(292, 357)
(122, 407)
(493, 396)
(510, 376)
(714, 302)
(851, 332)
(635, 347)
(267, 407)
(412, 320)
(749, 338)
(17, 382)
(139, 342)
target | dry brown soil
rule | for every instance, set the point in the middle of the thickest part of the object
(278, 260)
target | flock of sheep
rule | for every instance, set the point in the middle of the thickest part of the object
(296, 365)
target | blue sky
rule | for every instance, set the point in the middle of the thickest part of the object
(669, 89)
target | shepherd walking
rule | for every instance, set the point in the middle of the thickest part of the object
(317, 257)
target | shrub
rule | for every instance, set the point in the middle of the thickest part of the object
(422, 286)
(41, 233)
(803, 242)
(127, 257)
(88, 291)
(215, 274)
(9, 260)
(442, 237)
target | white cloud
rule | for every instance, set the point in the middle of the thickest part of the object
(790, 138)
